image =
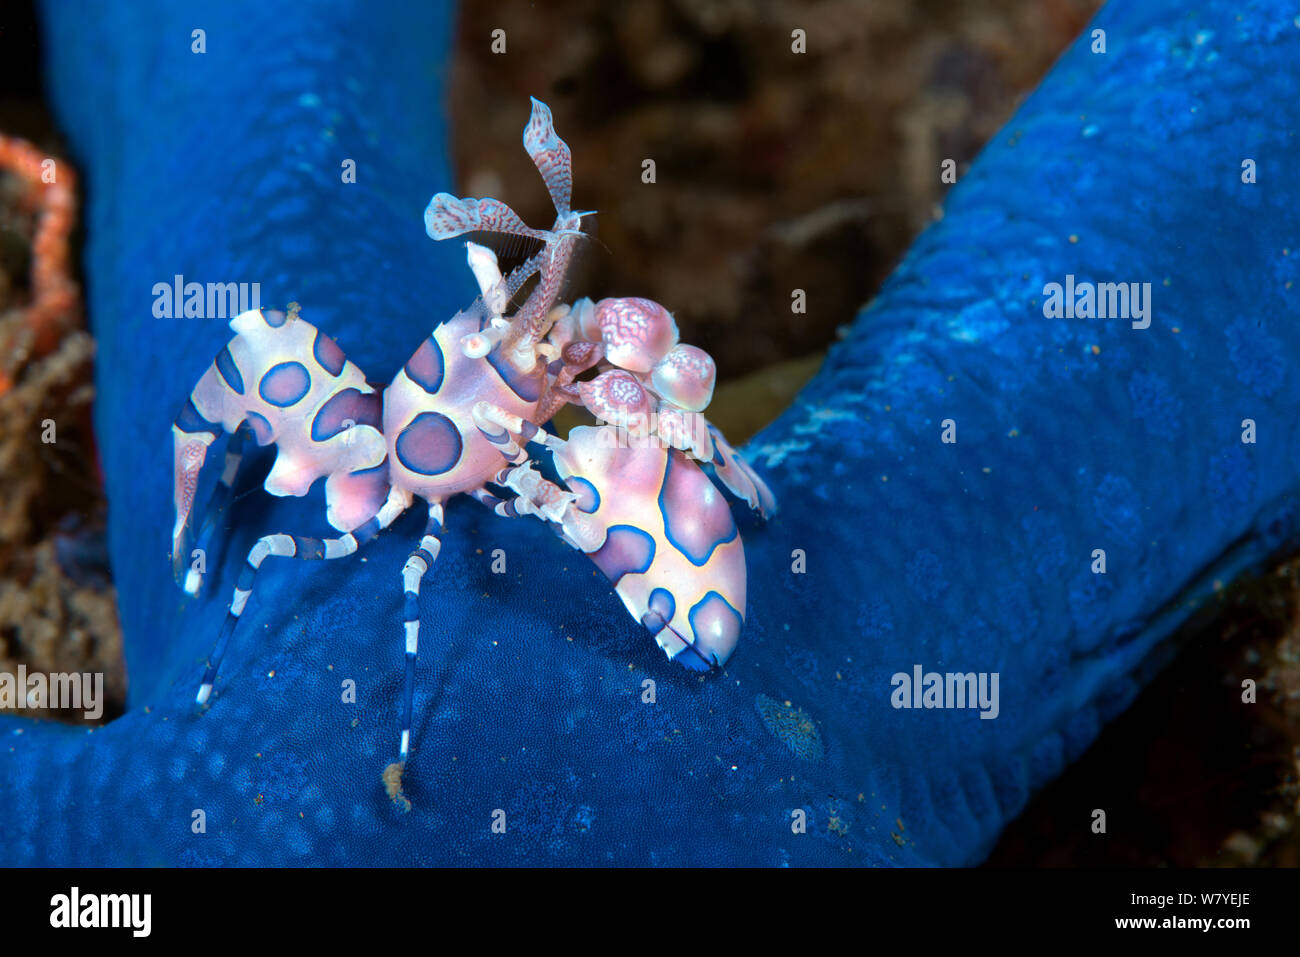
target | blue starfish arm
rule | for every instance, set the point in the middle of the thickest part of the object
(976, 556)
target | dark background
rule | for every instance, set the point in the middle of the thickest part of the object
(838, 152)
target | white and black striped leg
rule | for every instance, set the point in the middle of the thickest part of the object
(417, 564)
(292, 546)
(506, 508)
(217, 504)
(567, 512)
(536, 495)
(520, 505)
(506, 431)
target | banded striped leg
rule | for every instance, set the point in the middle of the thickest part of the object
(504, 507)
(417, 564)
(554, 505)
(293, 546)
(506, 430)
(217, 505)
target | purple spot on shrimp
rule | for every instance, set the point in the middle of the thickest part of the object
(716, 625)
(662, 607)
(627, 550)
(191, 420)
(692, 660)
(229, 371)
(285, 384)
(426, 367)
(273, 318)
(588, 495)
(696, 517)
(362, 491)
(526, 385)
(262, 430)
(430, 445)
(328, 353)
(345, 408)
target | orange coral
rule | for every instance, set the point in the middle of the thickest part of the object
(51, 192)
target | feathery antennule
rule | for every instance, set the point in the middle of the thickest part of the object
(531, 322)
(523, 272)
(449, 216)
(550, 155)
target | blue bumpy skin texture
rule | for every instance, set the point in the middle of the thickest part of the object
(1072, 435)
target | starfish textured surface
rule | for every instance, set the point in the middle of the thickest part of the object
(971, 557)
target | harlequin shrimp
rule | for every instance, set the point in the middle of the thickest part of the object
(458, 419)
(641, 508)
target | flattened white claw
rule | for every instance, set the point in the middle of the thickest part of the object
(685, 377)
(483, 263)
